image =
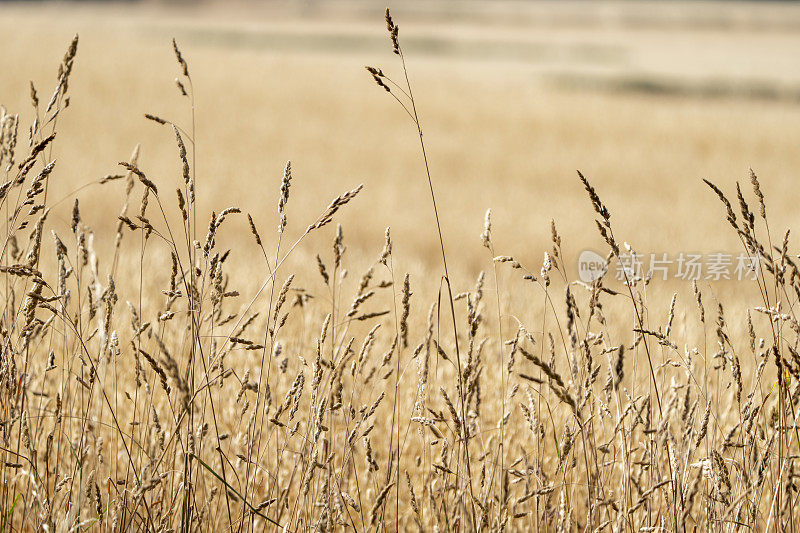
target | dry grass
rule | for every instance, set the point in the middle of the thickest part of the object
(486, 121)
(201, 341)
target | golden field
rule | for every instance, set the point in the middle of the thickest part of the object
(487, 121)
(125, 407)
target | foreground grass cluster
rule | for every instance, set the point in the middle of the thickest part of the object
(168, 401)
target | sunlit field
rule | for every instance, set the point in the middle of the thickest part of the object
(197, 334)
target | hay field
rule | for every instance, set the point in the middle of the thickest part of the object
(507, 123)
(142, 393)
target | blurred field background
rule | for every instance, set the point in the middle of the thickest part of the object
(646, 98)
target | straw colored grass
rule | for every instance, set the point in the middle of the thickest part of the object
(168, 368)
